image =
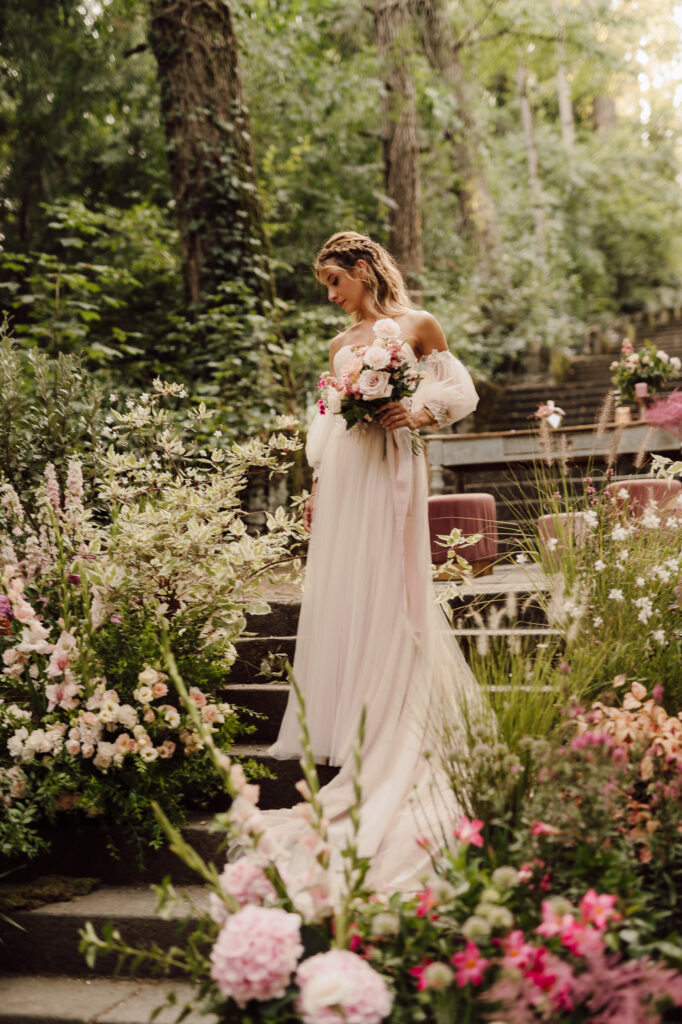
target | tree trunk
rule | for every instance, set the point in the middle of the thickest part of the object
(399, 138)
(563, 90)
(604, 114)
(479, 215)
(531, 157)
(222, 236)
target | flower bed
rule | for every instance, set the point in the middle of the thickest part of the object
(88, 723)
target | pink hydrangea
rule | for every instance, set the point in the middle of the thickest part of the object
(246, 882)
(339, 987)
(256, 951)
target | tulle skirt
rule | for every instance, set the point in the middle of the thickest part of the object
(372, 635)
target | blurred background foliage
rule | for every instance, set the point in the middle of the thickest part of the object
(90, 260)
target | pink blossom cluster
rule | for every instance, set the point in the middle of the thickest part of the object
(580, 932)
(13, 785)
(95, 725)
(339, 987)
(246, 881)
(256, 953)
(641, 724)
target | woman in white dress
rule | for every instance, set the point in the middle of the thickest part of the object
(370, 632)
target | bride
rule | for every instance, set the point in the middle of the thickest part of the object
(370, 632)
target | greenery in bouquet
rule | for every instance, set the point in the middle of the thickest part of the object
(89, 576)
(650, 365)
(474, 942)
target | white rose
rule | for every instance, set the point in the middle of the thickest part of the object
(376, 357)
(386, 329)
(148, 677)
(104, 756)
(127, 716)
(172, 717)
(374, 384)
(675, 363)
(148, 754)
(663, 356)
(109, 710)
(143, 694)
(333, 400)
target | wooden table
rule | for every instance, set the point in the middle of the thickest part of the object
(470, 451)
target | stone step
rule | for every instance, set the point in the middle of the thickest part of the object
(281, 620)
(48, 936)
(85, 851)
(270, 699)
(65, 999)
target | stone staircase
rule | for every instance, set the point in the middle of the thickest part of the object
(585, 385)
(582, 390)
(43, 977)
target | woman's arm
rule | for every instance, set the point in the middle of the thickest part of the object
(446, 392)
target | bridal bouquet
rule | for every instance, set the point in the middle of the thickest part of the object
(374, 375)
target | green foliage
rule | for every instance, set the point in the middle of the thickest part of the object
(49, 410)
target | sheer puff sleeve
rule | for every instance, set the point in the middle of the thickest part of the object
(446, 389)
(318, 435)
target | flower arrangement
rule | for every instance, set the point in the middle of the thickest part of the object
(88, 725)
(375, 374)
(479, 941)
(650, 365)
(551, 413)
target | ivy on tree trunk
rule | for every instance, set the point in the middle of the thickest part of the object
(223, 240)
(399, 138)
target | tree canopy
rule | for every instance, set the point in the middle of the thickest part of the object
(546, 160)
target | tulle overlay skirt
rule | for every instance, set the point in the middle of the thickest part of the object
(371, 634)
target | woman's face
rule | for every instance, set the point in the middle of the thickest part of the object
(345, 288)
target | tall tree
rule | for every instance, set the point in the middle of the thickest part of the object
(531, 156)
(399, 137)
(563, 89)
(223, 239)
(479, 215)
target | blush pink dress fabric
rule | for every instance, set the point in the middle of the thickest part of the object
(371, 634)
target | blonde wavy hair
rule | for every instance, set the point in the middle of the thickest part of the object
(385, 284)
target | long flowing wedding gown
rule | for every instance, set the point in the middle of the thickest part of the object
(371, 633)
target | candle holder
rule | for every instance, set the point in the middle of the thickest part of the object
(622, 415)
(642, 397)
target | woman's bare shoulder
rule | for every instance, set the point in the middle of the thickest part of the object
(340, 341)
(425, 332)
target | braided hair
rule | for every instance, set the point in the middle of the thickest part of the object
(387, 291)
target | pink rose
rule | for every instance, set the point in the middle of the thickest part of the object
(386, 329)
(373, 384)
(376, 357)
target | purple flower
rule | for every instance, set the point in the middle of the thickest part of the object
(74, 578)
(5, 607)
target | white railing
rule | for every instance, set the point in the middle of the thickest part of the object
(461, 452)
